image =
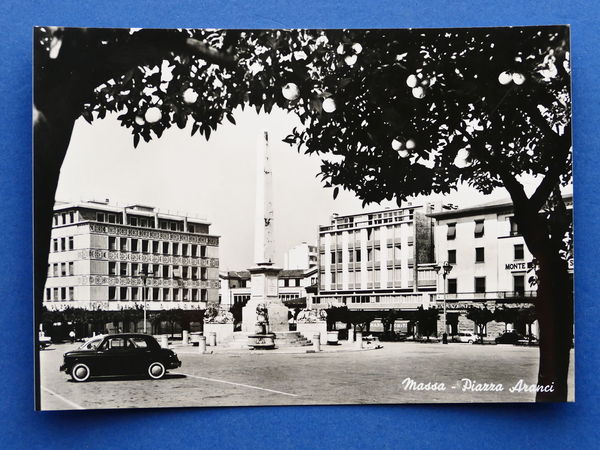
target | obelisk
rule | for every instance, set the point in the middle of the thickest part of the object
(264, 275)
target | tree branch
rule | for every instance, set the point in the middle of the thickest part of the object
(555, 169)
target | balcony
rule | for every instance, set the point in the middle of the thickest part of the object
(500, 296)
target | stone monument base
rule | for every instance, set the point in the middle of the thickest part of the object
(278, 317)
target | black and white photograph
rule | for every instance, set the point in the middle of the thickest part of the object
(302, 217)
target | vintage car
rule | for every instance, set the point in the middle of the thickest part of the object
(464, 336)
(119, 354)
(509, 337)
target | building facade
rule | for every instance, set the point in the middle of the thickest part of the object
(108, 257)
(491, 265)
(301, 257)
(380, 260)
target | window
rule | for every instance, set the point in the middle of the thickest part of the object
(135, 293)
(63, 244)
(155, 246)
(123, 293)
(452, 256)
(112, 293)
(55, 269)
(166, 296)
(479, 285)
(165, 249)
(63, 293)
(203, 275)
(514, 228)
(55, 219)
(478, 228)
(202, 251)
(112, 218)
(48, 294)
(194, 295)
(184, 250)
(480, 254)
(112, 243)
(71, 271)
(175, 248)
(55, 293)
(123, 271)
(333, 257)
(452, 286)
(55, 244)
(194, 273)
(123, 244)
(519, 252)
(100, 217)
(71, 217)
(134, 245)
(112, 268)
(63, 269)
(165, 272)
(451, 234)
(357, 258)
(139, 342)
(333, 274)
(184, 272)
(71, 243)
(519, 284)
(194, 251)
(144, 246)
(156, 294)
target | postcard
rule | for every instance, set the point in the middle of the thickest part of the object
(302, 217)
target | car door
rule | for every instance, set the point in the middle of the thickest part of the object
(141, 354)
(116, 356)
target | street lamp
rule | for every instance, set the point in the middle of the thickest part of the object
(446, 269)
(145, 275)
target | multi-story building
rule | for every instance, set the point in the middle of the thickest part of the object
(303, 256)
(379, 260)
(490, 262)
(103, 256)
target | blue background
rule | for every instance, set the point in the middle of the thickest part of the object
(474, 426)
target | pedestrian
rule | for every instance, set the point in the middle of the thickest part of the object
(72, 336)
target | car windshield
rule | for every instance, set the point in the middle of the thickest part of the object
(92, 344)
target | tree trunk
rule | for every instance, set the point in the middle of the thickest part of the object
(554, 308)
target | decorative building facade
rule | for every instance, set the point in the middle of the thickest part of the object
(103, 256)
(380, 260)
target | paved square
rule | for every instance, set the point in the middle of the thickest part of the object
(347, 377)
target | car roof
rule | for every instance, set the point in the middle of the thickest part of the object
(129, 335)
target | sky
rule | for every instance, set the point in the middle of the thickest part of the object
(215, 180)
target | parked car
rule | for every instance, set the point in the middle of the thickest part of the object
(119, 354)
(509, 337)
(464, 336)
(44, 341)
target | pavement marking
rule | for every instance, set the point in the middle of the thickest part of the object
(235, 384)
(60, 397)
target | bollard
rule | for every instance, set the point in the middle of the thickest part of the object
(202, 344)
(317, 342)
(164, 341)
(359, 339)
(212, 338)
(350, 335)
(185, 337)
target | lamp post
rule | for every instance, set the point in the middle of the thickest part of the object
(446, 269)
(142, 273)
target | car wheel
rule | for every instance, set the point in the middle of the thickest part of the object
(156, 370)
(470, 341)
(80, 372)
